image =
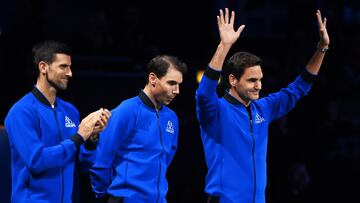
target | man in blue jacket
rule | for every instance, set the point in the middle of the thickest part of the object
(234, 128)
(140, 141)
(45, 133)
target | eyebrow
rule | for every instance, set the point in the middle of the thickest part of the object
(173, 82)
(254, 78)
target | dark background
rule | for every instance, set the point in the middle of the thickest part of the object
(313, 152)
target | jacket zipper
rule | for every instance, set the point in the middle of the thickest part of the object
(62, 170)
(253, 149)
(162, 152)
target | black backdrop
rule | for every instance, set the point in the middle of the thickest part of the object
(313, 153)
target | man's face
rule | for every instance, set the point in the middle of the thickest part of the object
(168, 86)
(59, 71)
(249, 84)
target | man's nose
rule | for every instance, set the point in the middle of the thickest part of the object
(176, 90)
(258, 85)
(69, 72)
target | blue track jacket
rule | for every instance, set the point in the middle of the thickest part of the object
(134, 152)
(44, 146)
(235, 137)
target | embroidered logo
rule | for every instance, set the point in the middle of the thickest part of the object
(258, 119)
(69, 123)
(170, 127)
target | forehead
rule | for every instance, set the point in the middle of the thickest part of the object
(253, 72)
(62, 58)
(172, 74)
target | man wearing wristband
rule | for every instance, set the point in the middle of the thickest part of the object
(234, 128)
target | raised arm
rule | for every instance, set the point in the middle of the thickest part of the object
(316, 60)
(206, 97)
(228, 37)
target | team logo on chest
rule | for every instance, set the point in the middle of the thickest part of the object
(258, 119)
(170, 127)
(69, 123)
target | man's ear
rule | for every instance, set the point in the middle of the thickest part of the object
(232, 80)
(152, 79)
(42, 67)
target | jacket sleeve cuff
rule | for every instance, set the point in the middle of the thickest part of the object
(91, 144)
(212, 74)
(77, 139)
(308, 77)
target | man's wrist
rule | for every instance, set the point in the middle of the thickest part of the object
(92, 142)
(77, 139)
(322, 48)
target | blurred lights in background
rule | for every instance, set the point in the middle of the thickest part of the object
(199, 75)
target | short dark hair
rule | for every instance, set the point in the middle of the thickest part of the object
(237, 64)
(46, 50)
(160, 64)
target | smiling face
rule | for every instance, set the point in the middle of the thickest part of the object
(248, 86)
(167, 87)
(58, 72)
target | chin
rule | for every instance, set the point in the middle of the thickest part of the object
(62, 88)
(168, 102)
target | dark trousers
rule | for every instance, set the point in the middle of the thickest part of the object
(116, 200)
(213, 199)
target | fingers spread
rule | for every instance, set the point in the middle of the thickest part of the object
(222, 21)
(240, 29)
(232, 19)
(226, 15)
(319, 19)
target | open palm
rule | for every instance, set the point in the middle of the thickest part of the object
(226, 27)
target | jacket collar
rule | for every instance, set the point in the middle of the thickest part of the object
(146, 100)
(39, 96)
(232, 100)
